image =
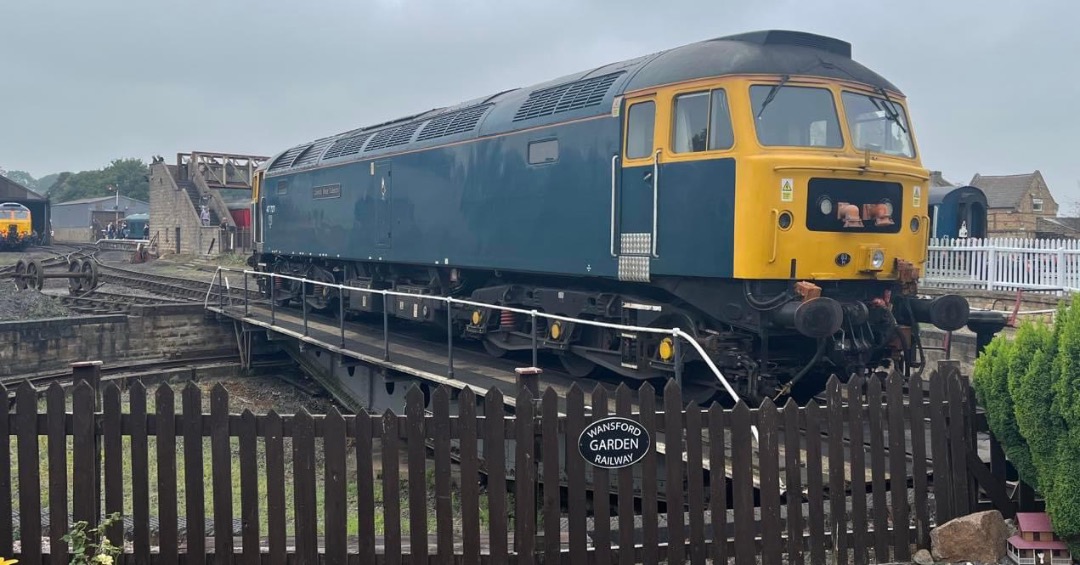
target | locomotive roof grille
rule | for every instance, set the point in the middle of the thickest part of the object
(310, 156)
(566, 97)
(286, 159)
(452, 123)
(347, 146)
(391, 137)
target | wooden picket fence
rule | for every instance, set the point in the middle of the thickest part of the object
(825, 481)
(1044, 265)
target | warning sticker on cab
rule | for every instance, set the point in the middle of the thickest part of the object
(787, 190)
(916, 197)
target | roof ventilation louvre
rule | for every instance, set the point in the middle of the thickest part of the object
(346, 146)
(392, 137)
(453, 123)
(311, 155)
(286, 159)
(566, 97)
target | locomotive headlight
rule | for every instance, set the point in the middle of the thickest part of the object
(872, 260)
(825, 205)
(877, 259)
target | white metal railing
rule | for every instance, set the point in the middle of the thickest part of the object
(677, 334)
(1041, 265)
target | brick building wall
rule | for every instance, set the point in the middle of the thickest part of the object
(170, 209)
(1013, 214)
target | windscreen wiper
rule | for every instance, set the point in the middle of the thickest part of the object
(890, 109)
(772, 94)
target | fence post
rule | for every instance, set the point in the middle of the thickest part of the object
(245, 293)
(450, 339)
(341, 312)
(991, 268)
(90, 373)
(535, 363)
(303, 301)
(1061, 269)
(386, 326)
(273, 299)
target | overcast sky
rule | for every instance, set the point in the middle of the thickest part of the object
(992, 85)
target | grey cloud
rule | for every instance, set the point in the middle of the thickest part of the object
(989, 83)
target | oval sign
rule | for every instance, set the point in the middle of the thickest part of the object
(613, 443)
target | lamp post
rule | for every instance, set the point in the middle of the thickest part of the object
(116, 207)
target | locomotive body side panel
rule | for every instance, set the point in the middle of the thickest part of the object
(478, 204)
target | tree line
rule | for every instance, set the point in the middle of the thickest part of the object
(131, 176)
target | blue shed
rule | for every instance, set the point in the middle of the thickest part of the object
(952, 206)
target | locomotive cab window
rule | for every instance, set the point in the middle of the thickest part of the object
(541, 152)
(878, 125)
(702, 122)
(795, 116)
(639, 130)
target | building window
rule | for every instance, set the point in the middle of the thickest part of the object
(541, 152)
(1037, 204)
(639, 130)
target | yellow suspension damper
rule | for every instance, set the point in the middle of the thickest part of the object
(667, 349)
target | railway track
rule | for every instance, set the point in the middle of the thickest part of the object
(154, 368)
(170, 286)
(98, 302)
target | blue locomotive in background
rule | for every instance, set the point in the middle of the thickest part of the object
(763, 191)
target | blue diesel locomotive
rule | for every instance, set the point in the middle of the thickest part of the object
(763, 191)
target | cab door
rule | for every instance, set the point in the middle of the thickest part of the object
(636, 187)
(381, 185)
(258, 204)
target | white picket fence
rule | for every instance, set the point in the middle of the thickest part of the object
(1046, 265)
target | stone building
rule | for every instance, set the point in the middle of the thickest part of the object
(189, 201)
(1016, 203)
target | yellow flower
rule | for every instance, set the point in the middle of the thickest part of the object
(5, 561)
(103, 559)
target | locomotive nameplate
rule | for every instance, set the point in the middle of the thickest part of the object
(326, 191)
(613, 443)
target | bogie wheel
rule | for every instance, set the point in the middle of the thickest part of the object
(321, 297)
(90, 272)
(35, 275)
(20, 271)
(576, 366)
(492, 348)
(75, 283)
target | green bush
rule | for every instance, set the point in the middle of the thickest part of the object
(1030, 389)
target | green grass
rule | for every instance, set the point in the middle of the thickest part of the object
(352, 488)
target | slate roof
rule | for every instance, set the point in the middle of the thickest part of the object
(1005, 191)
(936, 179)
(1061, 226)
(97, 199)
